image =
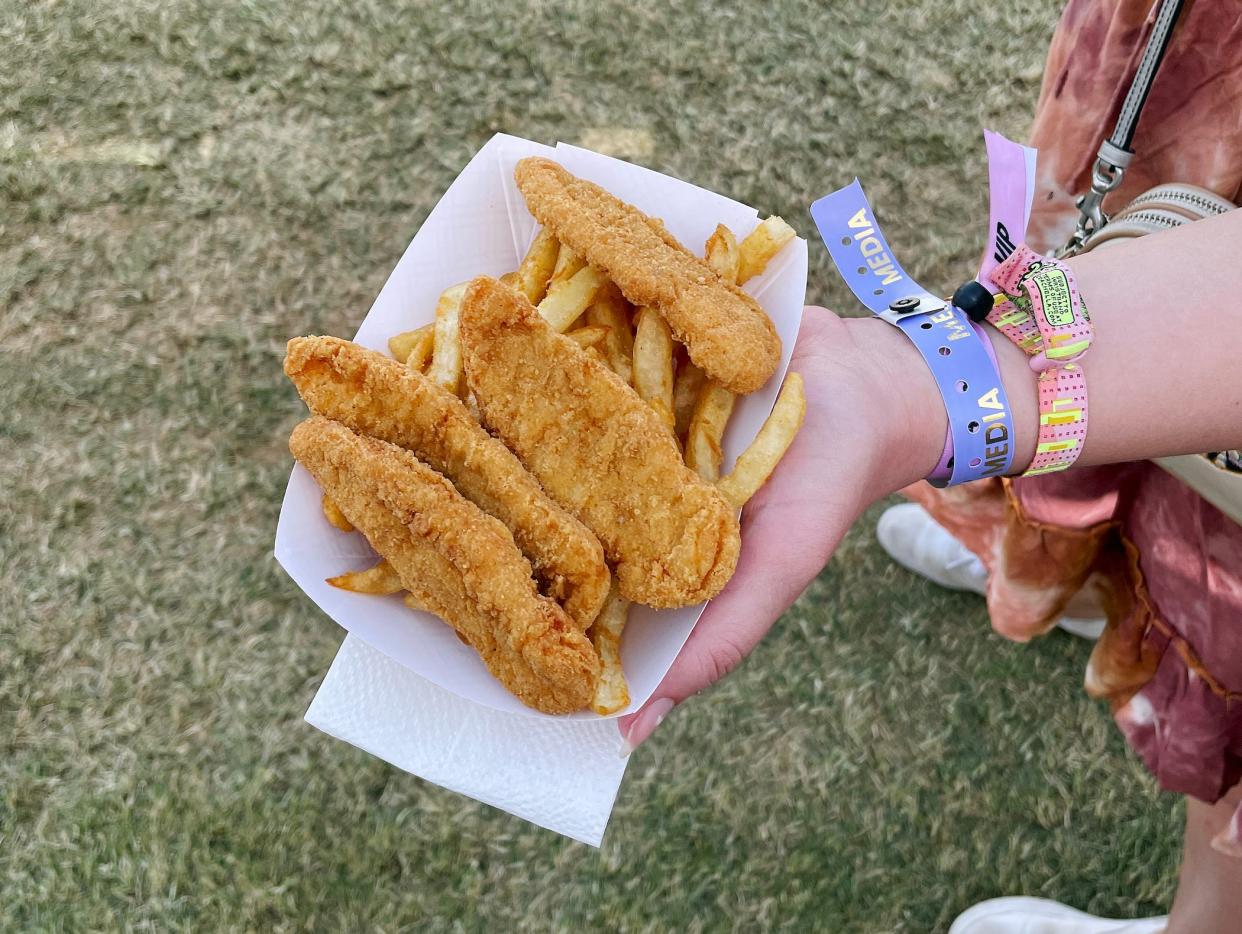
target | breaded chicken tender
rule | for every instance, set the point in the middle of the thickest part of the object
(457, 562)
(378, 396)
(727, 333)
(598, 450)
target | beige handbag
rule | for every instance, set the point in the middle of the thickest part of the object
(1216, 476)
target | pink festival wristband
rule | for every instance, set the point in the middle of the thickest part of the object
(1044, 314)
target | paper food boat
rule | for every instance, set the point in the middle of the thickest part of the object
(481, 227)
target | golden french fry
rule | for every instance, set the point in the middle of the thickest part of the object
(707, 425)
(611, 310)
(722, 253)
(653, 363)
(332, 512)
(567, 264)
(537, 266)
(686, 388)
(590, 335)
(511, 280)
(380, 580)
(445, 366)
(611, 692)
(757, 462)
(568, 298)
(400, 345)
(760, 245)
(420, 353)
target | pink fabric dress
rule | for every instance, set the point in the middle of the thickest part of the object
(1167, 565)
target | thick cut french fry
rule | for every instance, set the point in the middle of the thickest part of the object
(568, 298)
(420, 353)
(653, 363)
(757, 462)
(611, 310)
(760, 245)
(336, 518)
(445, 366)
(380, 580)
(711, 415)
(689, 382)
(722, 253)
(590, 335)
(400, 345)
(537, 266)
(567, 264)
(511, 280)
(611, 691)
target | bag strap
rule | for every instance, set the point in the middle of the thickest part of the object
(1115, 154)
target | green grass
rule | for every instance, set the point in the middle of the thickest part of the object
(185, 185)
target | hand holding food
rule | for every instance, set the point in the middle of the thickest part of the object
(851, 382)
(513, 539)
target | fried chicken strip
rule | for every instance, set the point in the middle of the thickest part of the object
(377, 396)
(457, 562)
(727, 333)
(599, 451)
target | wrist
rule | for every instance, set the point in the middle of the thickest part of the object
(909, 436)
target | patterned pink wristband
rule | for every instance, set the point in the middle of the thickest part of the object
(1046, 317)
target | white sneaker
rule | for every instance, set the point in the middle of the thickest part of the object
(1041, 916)
(919, 543)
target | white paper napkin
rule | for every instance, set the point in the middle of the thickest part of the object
(562, 775)
(481, 226)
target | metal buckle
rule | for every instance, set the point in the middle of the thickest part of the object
(911, 305)
(1106, 175)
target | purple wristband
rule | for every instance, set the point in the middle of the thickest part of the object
(954, 348)
(944, 467)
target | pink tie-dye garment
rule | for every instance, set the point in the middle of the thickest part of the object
(1167, 565)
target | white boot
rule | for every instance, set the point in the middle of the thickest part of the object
(1041, 916)
(919, 543)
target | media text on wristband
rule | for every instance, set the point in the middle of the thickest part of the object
(954, 348)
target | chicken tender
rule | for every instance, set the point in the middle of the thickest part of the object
(377, 396)
(457, 562)
(727, 333)
(598, 450)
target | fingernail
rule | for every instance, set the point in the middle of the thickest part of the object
(645, 725)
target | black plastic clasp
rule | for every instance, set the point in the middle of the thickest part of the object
(974, 299)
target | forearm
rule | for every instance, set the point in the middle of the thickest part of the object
(1163, 375)
(1165, 372)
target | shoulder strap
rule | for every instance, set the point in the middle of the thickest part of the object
(1115, 154)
